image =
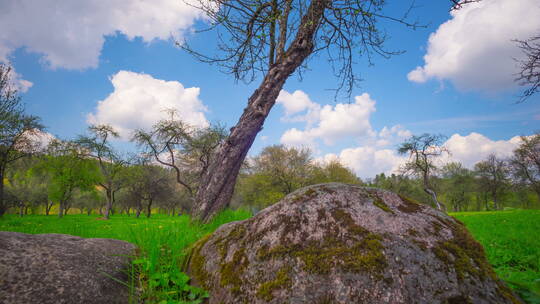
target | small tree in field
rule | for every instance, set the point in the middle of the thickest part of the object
(147, 184)
(525, 163)
(97, 145)
(183, 148)
(17, 129)
(459, 182)
(26, 189)
(422, 151)
(68, 172)
(493, 174)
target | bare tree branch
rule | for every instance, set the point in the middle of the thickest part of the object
(529, 74)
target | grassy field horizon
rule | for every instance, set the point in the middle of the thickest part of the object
(509, 237)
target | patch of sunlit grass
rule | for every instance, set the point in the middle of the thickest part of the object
(512, 245)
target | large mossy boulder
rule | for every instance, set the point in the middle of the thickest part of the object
(336, 243)
(59, 268)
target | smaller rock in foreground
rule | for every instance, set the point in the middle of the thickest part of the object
(58, 268)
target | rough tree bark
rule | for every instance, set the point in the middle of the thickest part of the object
(61, 209)
(48, 207)
(149, 208)
(428, 190)
(108, 206)
(217, 184)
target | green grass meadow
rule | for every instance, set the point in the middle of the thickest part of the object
(511, 240)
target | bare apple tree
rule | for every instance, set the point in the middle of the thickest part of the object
(275, 38)
(423, 150)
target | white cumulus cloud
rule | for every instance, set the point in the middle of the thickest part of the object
(15, 79)
(329, 123)
(368, 161)
(70, 34)
(139, 101)
(475, 147)
(474, 49)
(296, 102)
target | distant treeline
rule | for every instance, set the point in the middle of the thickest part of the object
(42, 182)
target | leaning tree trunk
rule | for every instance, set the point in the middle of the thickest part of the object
(434, 198)
(217, 183)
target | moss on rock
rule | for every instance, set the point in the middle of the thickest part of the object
(467, 257)
(231, 272)
(408, 205)
(359, 250)
(197, 263)
(379, 202)
(281, 281)
(384, 207)
(304, 196)
(237, 233)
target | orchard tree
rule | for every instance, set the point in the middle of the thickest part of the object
(402, 184)
(287, 168)
(422, 151)
(525, 163)
(68, 172)
(147, 183)
(97, 145)
(183, 148)
(334, 172)
(28, 190)
(279, 170)
(18, 130)
(458, 181)
(87, 200)
(275, 39)
(19, 187)
(274, 173)
(156, 186)
(39, 191)
(493, 177)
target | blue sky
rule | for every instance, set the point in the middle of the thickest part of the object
(124, 57)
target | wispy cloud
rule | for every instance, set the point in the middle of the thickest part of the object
(477, 120)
